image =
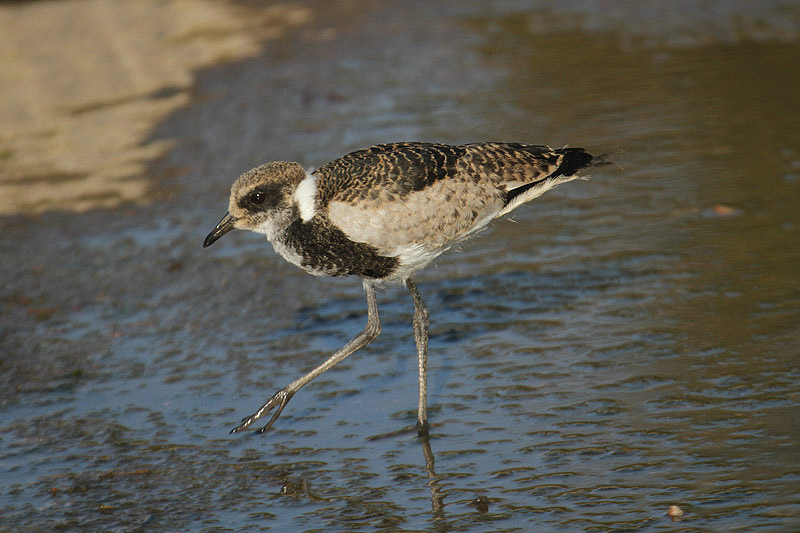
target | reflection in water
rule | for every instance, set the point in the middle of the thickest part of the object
(301, 489)
(437, 498)
(433, 480)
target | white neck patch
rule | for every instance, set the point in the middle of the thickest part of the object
(305, 196)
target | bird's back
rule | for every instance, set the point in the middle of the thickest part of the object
(413, 200)
(387, 172)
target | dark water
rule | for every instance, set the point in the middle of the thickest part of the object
(623, 345)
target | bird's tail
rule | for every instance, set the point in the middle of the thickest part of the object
(574, 159)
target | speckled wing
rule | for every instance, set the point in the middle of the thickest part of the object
(509, 165)
(403, 196)
(386, 172)
(522, 171)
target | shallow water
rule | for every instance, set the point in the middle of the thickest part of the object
(623, 344)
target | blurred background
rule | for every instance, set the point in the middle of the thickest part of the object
(620, 346)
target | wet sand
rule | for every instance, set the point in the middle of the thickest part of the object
(85, 82)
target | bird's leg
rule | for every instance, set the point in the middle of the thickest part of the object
(282, 397)
(421, 326)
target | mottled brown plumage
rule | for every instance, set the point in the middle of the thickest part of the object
(384, 212)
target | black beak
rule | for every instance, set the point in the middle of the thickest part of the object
(224, 226)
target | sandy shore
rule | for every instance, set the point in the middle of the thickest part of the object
(84, 81)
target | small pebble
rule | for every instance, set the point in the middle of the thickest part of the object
(481, 504)
(674, 512)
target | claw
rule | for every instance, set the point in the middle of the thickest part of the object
(280, 399)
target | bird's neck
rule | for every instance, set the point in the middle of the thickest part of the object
(277, 225)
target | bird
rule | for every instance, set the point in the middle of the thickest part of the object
(383, 213)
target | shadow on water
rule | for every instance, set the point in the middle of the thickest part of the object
(621, 346)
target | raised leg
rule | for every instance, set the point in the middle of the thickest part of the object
(282, 397)
(421, 327)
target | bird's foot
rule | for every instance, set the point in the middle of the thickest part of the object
(279, 399)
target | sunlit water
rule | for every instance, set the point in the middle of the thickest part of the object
(624, 344)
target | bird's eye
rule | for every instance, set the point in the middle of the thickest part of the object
(257, 197)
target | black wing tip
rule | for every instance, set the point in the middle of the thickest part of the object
(573, 160)
(576, 159)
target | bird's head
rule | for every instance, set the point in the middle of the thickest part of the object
(261, 201)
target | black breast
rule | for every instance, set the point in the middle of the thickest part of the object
(326, 249)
